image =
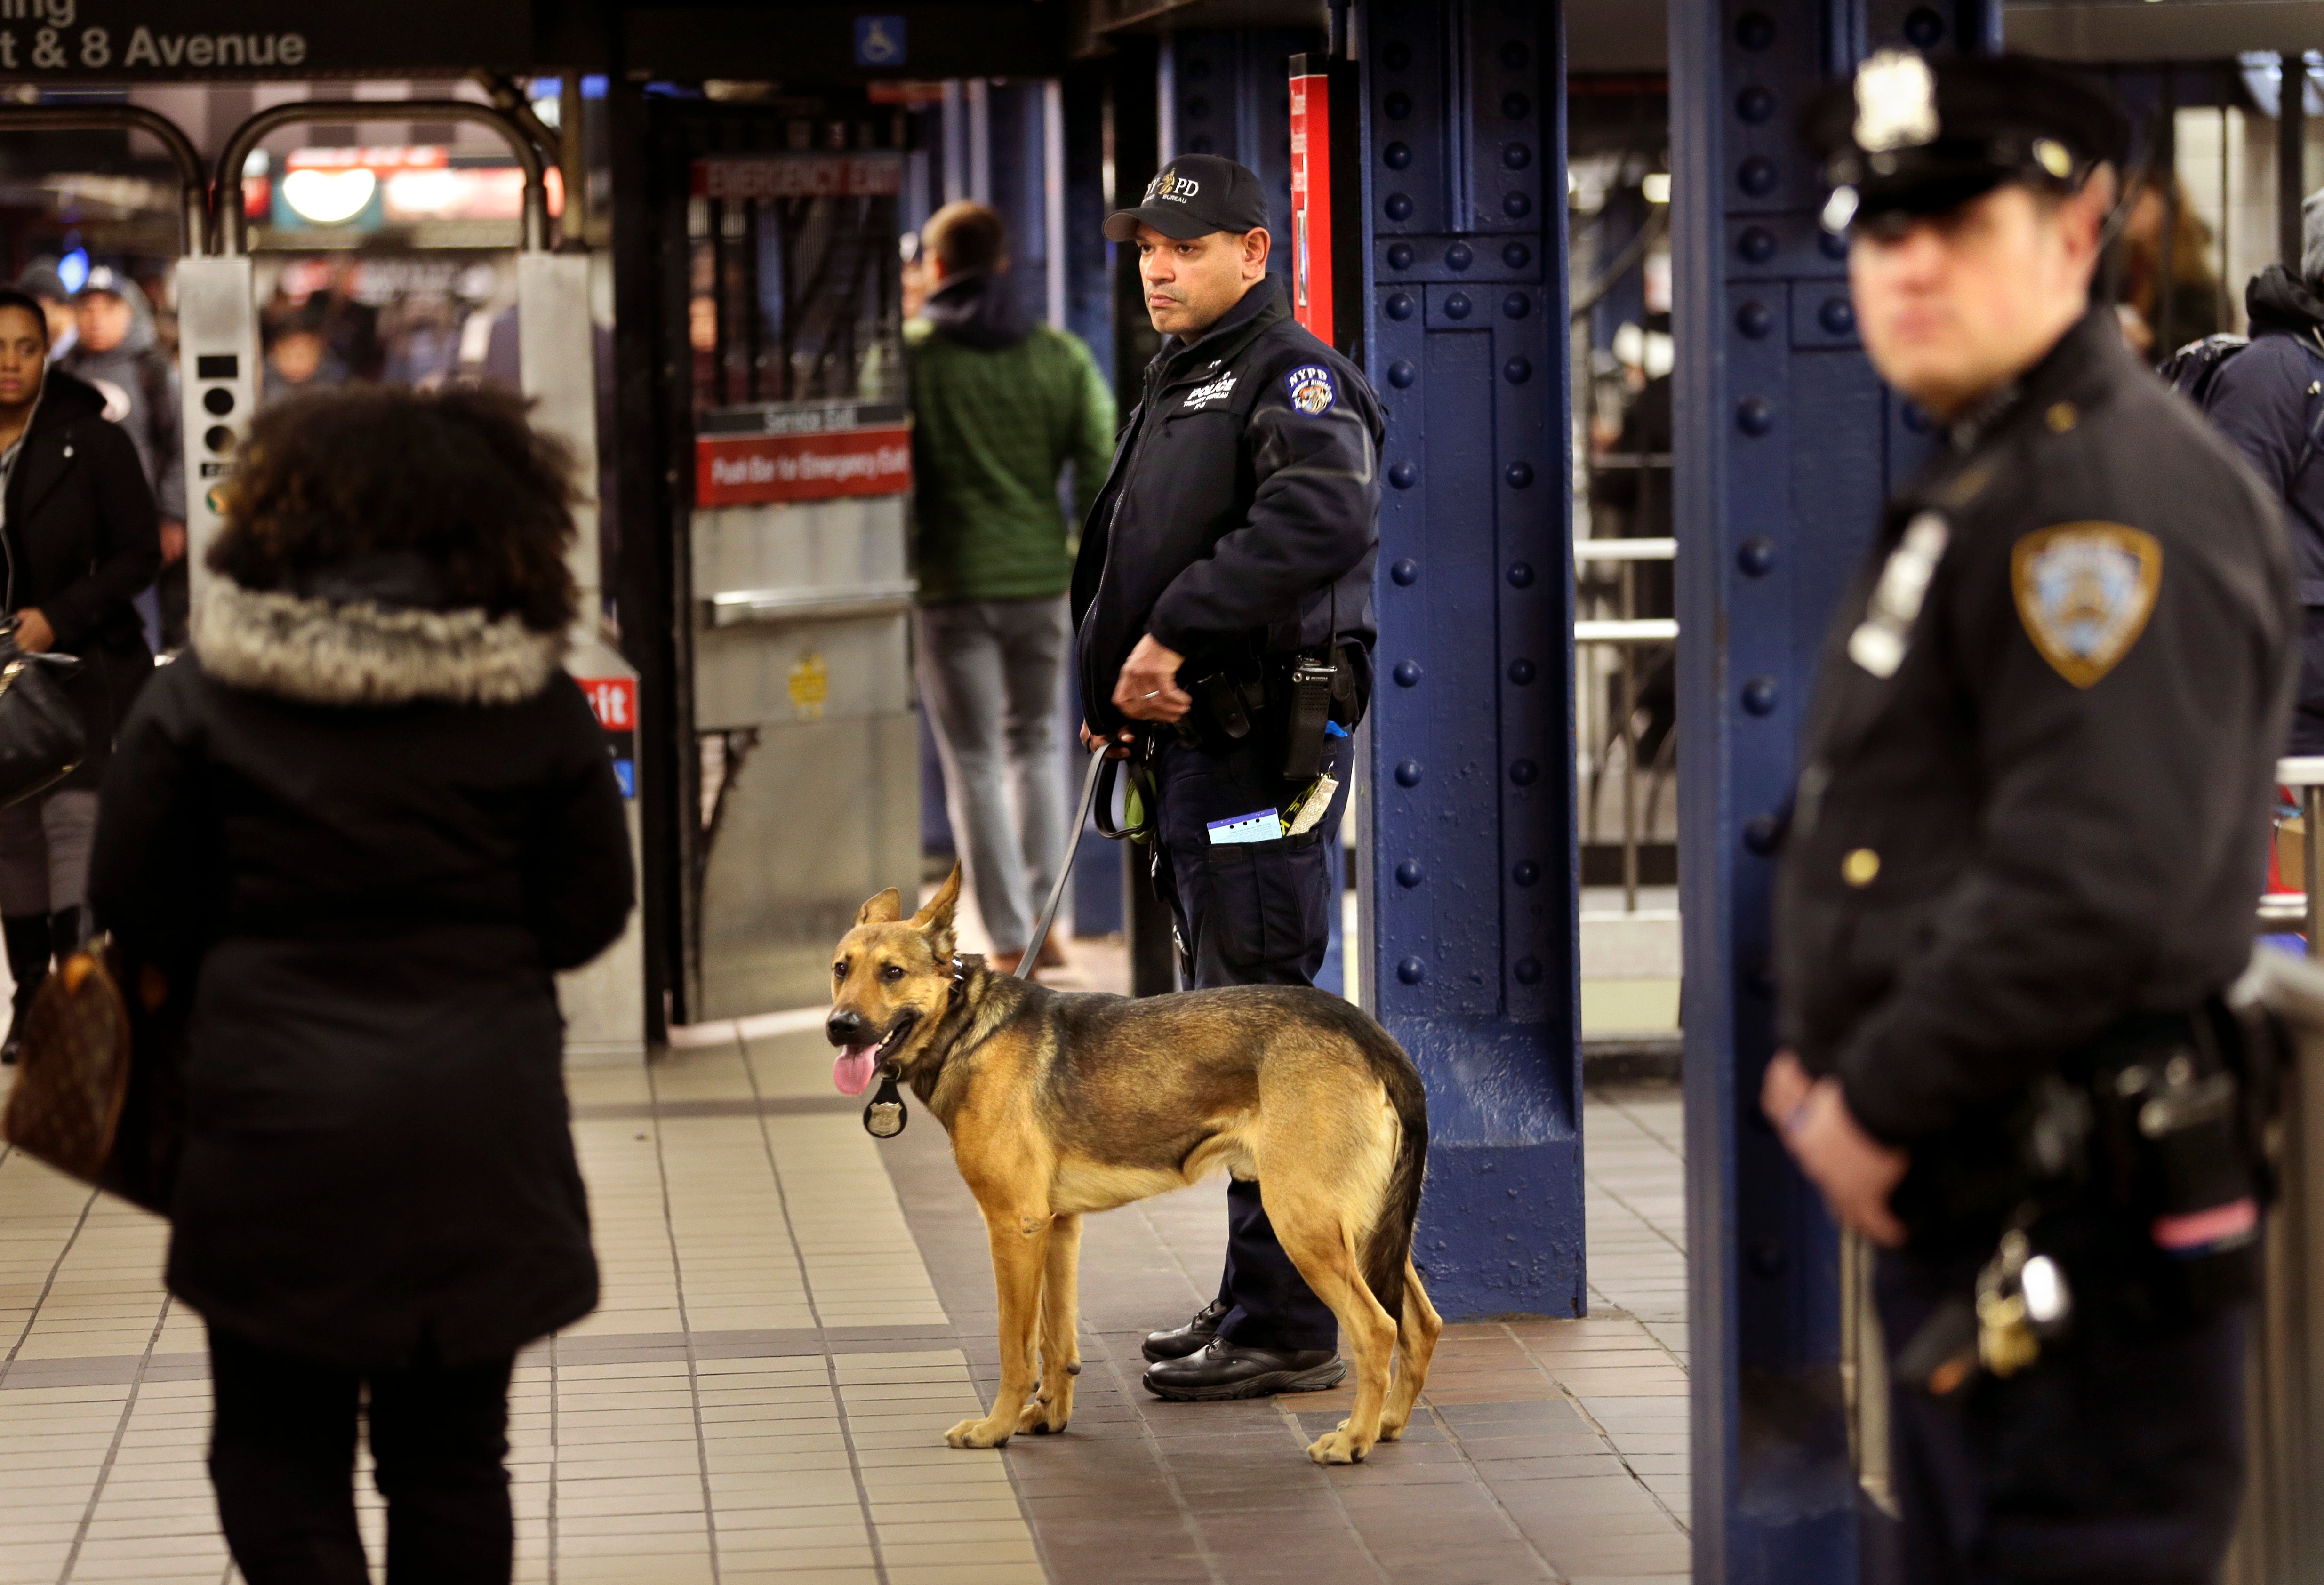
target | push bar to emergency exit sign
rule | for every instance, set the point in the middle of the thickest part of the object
(745, 470)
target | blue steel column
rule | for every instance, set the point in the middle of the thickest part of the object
(1233, 98)
(1470, 780)
(1097, 897)
(1787, 444)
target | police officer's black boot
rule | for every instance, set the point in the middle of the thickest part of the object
(29, 945)
(1190, 1339)
(1229, 1371)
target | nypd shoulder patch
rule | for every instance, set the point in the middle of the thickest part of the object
(1310, 388)
(2085, 592)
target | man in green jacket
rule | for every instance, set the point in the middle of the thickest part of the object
(999, 406)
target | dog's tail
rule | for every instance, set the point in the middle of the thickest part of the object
(1388, 1243)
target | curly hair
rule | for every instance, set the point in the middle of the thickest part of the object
(459, 477)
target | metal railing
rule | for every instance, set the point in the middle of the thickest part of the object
(2303, 775)
(193, 181)
(2282, 1538)
(1629, 633)
(231, 223)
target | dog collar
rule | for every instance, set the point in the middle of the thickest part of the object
(885, 1115)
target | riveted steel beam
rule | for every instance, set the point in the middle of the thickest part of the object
(1470, 881)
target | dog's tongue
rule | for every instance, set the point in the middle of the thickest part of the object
(853, 1071)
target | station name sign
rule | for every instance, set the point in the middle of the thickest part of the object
(196, 39)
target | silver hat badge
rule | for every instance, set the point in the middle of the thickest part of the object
(1895, 103)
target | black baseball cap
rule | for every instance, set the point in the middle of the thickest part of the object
(1911, 135)
(1194, 196)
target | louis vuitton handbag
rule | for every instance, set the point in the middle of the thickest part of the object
(98, 1094)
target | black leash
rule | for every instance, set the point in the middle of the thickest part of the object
(1031, 960)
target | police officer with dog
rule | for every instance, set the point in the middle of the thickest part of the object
(1223, 607)
(2024, 853)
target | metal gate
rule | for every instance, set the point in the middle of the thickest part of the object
(604, 1001)
(791, 589)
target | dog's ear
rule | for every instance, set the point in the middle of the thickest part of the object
(884, 910)
(935, 920)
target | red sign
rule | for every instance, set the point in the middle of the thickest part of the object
(799, 176)
(892, 91)
(739, 470)
(614, 699)
(1311, 204)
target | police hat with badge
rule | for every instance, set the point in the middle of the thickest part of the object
(1194, 196)
(1911, 135)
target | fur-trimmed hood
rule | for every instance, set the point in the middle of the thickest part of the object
(319, 650)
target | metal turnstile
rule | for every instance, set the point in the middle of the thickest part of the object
(806, 739)
(604, 1002)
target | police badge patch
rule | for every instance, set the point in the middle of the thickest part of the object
(2084, 593)
(1311, 389)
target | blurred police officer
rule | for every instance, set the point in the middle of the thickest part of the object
(1222, 606)
(2027, 841)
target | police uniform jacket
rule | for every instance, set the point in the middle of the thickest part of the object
(2038, 769)
(1243, 507)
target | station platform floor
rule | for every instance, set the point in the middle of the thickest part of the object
(793, 1313)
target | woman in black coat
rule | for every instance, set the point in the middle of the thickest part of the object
(366, 817)
(80, 541)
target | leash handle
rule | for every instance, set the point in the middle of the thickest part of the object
(1031, 959)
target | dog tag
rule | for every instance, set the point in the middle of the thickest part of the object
(883, 1115)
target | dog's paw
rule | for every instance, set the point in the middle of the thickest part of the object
(1337, 1447)
(1389, 1430)
(1040, 1419)
(976, 1434)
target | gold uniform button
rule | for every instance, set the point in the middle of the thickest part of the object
(1860, 868)
(2062, 417)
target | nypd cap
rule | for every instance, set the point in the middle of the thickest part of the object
(1911, 135)
(1194, 196)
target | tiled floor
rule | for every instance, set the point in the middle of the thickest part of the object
(793, 1315)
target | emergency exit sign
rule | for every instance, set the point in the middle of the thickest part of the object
(745, 470)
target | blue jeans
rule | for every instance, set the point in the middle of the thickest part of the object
(991, 672)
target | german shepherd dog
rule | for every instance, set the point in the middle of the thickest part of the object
(1060, 1104)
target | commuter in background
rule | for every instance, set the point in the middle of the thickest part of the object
(1001, 407)
(299, 359)
(2268, 399)
(2023, 856)
(2166, 302)
(119, 353)
(79, 543)
(361, 824)
(42, 280)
